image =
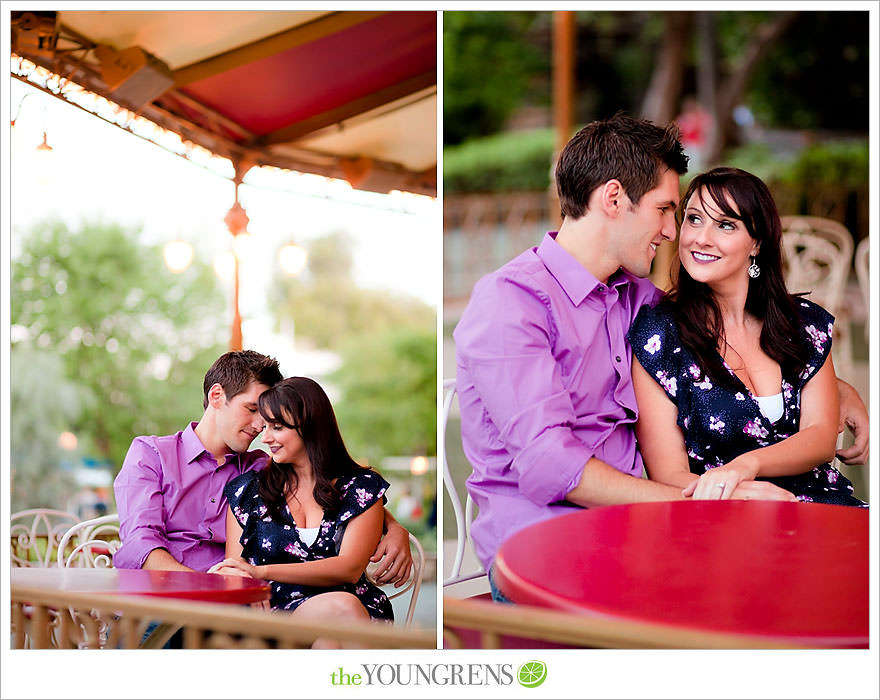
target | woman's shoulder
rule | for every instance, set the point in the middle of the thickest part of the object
(658, 318)
(817, 329)
(653, 328)
(363, 478)
(359, 491)
(810, 313)
(236, 488)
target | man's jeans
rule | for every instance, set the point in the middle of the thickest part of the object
(175, 642)
(497, 595)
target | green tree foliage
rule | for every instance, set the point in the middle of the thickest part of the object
(502, 162)
(327, 306)
(809, 72)
(387, 342)
(813, 75)
(388, 383)
(44, 403)
(816, 77)
(132, 336)
(489, 68)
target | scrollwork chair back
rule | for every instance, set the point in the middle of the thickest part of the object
(35, 535)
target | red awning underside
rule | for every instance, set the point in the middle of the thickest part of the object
(308, 80)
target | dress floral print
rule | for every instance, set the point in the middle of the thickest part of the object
(720, 423)
(267, 541)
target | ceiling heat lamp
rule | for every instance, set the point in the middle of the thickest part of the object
(134, 76)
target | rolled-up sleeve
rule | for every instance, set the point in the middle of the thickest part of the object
(138, 489)
(506, 349)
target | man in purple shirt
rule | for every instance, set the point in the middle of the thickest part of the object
(169, 492)
(543, 367)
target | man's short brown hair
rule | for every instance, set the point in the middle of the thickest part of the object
(634, 151)
(235, 370)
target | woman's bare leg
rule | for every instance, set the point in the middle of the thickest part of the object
(335, 605)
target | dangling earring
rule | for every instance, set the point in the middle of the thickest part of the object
(754, 270)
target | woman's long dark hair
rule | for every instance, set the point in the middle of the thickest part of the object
(304, 402)
(693, 306)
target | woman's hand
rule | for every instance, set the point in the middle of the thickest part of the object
(762, 491)
(227, 571)
(721, 482)
(233, 566)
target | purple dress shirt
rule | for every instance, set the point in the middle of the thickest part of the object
(544, 384)
(169, 493)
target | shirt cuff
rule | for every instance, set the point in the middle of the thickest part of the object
(550, 465)
(135, 550)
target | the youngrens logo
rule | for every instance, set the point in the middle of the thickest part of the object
(531, 674)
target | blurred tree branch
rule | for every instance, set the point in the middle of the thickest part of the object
(663, 95)
(733, 86)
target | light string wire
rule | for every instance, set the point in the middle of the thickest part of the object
(116, 115)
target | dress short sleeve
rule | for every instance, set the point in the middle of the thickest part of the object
(243, 498)
(359, 492)
(817, 326)
(655, 344)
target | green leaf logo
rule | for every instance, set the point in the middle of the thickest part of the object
(532, 673)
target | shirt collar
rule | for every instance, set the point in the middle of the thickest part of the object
(192, 446)
(576, 280)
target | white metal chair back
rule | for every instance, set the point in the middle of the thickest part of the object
(29, 529)
(463, 518)
(819, 255)
(415, 580)
(861, 262)
(92, 543)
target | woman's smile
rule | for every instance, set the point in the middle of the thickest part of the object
(704, 257)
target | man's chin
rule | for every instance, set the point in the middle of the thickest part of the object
(243, 445)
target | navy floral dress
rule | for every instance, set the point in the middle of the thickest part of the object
(267, 541)
(720, 423)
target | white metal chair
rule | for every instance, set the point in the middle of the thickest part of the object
(93, 543)
(463, 518)
(819, 255)
(861, 262)
(415, 580)
(29, 529)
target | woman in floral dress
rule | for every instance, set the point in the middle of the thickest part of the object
(734, 378)
(310, 520)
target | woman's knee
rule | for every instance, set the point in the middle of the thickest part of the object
(336, 604)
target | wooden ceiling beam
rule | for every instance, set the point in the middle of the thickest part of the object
(350, 109)
(269, 46)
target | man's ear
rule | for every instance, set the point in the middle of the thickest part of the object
(611, 197)
(216, 396)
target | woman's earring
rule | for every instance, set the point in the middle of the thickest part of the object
(754, 270)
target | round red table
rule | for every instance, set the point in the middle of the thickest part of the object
(187, 585)
(795, 573)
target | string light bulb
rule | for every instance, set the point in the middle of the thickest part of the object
(178, 255)
(418, 465)
(224, 265)
(292, 258)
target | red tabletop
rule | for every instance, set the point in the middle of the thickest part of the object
(796, 573)
(188, 585)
